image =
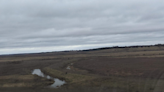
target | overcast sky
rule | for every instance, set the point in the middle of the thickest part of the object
(28, 26)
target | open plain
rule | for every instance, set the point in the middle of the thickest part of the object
(115, 69)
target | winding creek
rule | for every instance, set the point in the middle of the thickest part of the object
(57, 82)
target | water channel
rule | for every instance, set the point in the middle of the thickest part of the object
(57, 82)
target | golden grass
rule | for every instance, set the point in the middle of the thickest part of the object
(20, 77)
(16, 85)
(23, 81)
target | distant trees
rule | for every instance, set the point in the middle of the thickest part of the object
(123, 47)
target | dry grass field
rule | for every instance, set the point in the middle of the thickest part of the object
(118, 69)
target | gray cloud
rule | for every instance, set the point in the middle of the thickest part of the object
(39, 25)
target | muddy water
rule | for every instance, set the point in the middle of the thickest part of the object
(57, 82)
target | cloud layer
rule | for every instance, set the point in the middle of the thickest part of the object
(53, 25)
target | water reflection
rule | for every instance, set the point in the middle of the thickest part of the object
(57, 82)
(68, 67)
(38, 72)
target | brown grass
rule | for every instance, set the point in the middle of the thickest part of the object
(124, 69)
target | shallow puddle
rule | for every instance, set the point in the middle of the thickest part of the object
(68, 67)
(38, 72)
(57, 82)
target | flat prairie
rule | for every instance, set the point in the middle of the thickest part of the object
(117, 69)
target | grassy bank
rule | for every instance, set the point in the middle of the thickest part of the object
(68, 77)
(127, 84)
(19, 81)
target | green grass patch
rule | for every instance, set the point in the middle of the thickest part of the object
(127, 83)
(68, 77)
